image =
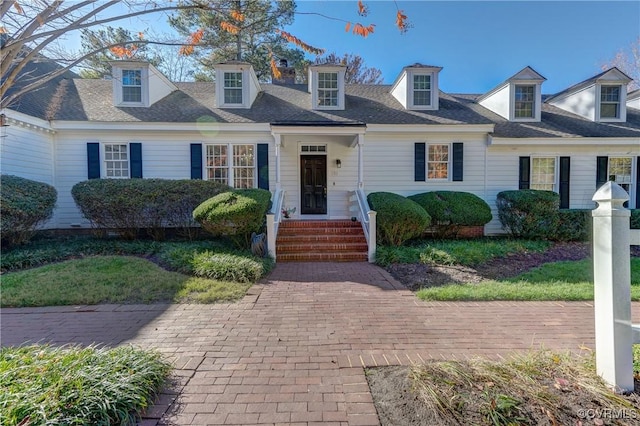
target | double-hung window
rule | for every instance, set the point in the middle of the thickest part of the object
(438, 161)
(524, 106)
(233, 165)
(232, 88)
(328, 89)
(620, 172)
(543, 173)
(610, 101)
(132, 86)
(116, 160)
(422, 90)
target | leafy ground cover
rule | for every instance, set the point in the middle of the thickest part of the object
(77, 386)
(89, 271)
(538, 388)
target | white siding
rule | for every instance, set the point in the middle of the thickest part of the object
(503, 172)
(399, 91)
(499, 101)
(582, 102)
(164, 156)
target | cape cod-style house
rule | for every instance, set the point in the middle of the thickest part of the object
(318, 146)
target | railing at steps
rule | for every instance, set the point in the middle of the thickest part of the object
(274, 217)
(367, 218)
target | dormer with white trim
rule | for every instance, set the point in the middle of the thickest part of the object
(602, 98)
(416, 88)
(633, 99)
(326, 85)
(518, 99)
(138, 84)
(237, 85)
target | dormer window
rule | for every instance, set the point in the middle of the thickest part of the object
(132, 86)
(233, 88)
(328, 89)
(422, 89)
(525, 101)
(237, 85)
(326, 85)
(610, 102)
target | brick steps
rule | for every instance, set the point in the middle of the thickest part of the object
(321, 241)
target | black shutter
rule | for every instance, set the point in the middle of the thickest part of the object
(525, 173)
(135, 155)
(638, 183)
(602, 170)
(93, 160)
(458, 161)
(420, 164)
(196, 161)
(565, 172)
(263, 166)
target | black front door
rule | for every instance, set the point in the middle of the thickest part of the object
(313, 184)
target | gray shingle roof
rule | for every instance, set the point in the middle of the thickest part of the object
(91, 100)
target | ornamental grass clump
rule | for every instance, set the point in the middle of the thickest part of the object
(24, 204)
(398, 218)
(234, 214)
(78, 386)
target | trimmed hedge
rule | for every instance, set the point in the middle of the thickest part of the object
(573, 225)
(398, 218)
(129, 205)
(529, 213)
(635, 219)
(234, 214)
(24, 204)
(450, 210)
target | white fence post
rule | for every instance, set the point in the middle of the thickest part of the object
(612, 287)
(271, 235)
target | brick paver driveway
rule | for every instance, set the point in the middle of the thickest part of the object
(293, 350)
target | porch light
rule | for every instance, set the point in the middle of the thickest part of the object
(338, 163)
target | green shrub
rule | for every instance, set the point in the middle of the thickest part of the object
(129, 205)
(529, 213)
(573, 225)
(398, 218)
(450, 210)
(24, 204)
(230, 267)
(635, 219)
(235, 214)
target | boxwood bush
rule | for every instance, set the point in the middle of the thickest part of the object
(635, 219)
(529, 213)
(398, 218)
(129, 205)
(234, 214)
(24, 204)
(450, 210)
(573, 225)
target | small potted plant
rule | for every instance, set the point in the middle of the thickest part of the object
(286, 213)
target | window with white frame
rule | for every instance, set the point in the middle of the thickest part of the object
(422, 89)
(132, 86)
(524, 106)
(610, 101)
(620, 172)
(328, 89)
(116, 160)
(438, 161)
(239, 171)
(543, 173)
(232, 88)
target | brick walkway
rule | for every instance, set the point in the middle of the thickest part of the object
(293, 350)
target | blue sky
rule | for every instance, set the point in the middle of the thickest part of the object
(480, 44)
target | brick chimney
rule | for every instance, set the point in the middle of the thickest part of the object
(288, 73)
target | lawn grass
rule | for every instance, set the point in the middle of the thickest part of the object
(77, 386)
(552, 281)
(461, 252)
(111, 279)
